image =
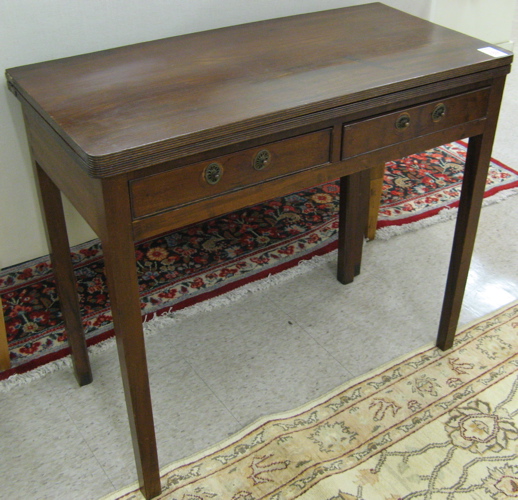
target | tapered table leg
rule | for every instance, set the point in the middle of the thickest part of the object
(354, 200)
(64, 275)
(121, 273)
(473, 187)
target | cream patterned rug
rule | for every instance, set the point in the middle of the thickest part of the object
(431, 425)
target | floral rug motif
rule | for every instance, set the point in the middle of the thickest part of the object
(432, 425)
(423, 184)
(201, 261)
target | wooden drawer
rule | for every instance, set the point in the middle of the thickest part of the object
(198, 181)
(382, 131)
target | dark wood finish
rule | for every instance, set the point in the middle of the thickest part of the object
(369, 135)
(53, 155)
(473, 187)
(121, 273)
(129, 107)
(64, 275)
(127, 135)
(187, 184)
(212, 207)
(354, 201)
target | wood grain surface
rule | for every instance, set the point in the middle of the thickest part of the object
(116, 106)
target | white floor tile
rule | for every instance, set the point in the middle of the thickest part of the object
(42, 453)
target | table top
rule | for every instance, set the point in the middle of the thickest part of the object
(116, 106)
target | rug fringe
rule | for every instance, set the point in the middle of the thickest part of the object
(304, 266)
(21, 379)
(158, 323)
(446, 214)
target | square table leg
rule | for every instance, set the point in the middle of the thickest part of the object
(64, 275)
(121, 273)
(120, 263)
(470, 205)
(354, 205)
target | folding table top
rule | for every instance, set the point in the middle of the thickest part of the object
(118, 104)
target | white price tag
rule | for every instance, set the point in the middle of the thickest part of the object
(491, 51)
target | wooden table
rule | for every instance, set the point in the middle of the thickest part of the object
(147, 138)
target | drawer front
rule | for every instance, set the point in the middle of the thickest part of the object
(376, 133)
(198, 181)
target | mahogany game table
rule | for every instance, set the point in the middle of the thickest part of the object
(150, 137)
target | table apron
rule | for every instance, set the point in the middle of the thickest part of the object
(212, 207)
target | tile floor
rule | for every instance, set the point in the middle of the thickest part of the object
(271, 351)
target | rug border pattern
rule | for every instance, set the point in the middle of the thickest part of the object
(387, 375)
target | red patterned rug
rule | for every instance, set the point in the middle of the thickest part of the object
(186, 267)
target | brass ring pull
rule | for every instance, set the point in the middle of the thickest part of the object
(403, 121)
(262, 159)
(213, 173)
(439, 112)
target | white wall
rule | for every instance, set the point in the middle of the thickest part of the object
(39, 30)
(488, 20)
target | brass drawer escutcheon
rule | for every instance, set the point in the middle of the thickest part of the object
(439, 112)
(403, 121)
(262, 159)
(220, 175)
(213, 173)
(367, 135)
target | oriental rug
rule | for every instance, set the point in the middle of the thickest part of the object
(206, 260)
(431, 425)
